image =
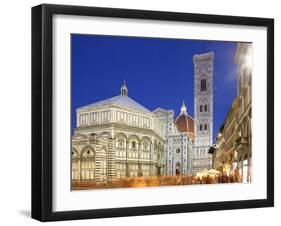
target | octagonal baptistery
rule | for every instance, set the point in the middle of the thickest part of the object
(116, 138)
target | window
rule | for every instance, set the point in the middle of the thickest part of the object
(94, 117)
(206, 108)
(93, 136)
(205, 127)
(203, 84)
(83, 119)
(178, 150)
(200, 127)
(133, 144)
(105, 116)
(121, 143)
(201, 108)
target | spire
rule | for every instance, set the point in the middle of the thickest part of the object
(124, 89)
(183, 109)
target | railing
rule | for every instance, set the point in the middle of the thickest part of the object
(241, 142)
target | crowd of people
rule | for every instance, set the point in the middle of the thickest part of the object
(131, 182)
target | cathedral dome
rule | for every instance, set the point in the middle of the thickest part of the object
(184, 122)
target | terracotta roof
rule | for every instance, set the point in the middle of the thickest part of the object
(185, 123)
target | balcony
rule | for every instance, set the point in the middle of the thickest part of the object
(241, 143)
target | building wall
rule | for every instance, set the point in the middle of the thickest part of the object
(225, 154)
(233, 154)
(243, 59)
(178, 155)
(178, 146)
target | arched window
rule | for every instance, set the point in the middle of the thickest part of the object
(88, 152)
(105, 135)
(206, 126)
(93, 136)
(145, 146)
(134, 144)
(121, 143)
(74, 153)
(201, 108)
(200, 127)
(206, 107)
(203, 84)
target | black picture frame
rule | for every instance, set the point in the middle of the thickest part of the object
(42, 111)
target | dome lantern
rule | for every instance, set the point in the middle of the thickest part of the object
(183, 109)
(124, 89)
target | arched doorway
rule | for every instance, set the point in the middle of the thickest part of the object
(178, 169)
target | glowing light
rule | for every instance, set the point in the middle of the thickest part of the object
(248, 59)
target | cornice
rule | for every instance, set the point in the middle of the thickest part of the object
(116, 126)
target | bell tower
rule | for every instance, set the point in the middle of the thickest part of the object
(203, 110)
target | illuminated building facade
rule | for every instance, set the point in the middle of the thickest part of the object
(232, 153)
(117, 138)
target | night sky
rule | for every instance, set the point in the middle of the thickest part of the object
(158, 72)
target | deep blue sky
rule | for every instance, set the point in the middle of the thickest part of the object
(158, 72)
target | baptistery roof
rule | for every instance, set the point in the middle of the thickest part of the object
(122, 100)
